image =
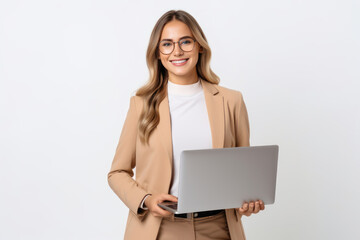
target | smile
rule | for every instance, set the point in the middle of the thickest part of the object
(179, 62)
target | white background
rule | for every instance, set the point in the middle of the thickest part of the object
(68, 69)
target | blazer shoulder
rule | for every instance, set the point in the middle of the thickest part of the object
(137, 102)
(230, 95)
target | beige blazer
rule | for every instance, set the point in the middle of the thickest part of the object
(229, 128)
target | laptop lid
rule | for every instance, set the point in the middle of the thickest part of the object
(226, 177)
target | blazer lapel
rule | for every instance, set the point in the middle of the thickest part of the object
(215, 108)
(165, 127)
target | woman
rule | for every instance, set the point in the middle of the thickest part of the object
(180, 108)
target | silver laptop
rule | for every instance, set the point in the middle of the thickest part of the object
(224, 178)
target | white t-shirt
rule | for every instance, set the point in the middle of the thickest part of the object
(190, 127)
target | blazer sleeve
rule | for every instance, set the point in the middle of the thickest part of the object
(120, 177)
(242, 127)
(242, 130)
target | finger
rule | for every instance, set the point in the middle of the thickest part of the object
(257, 207)
(251, 207)
(245, 206)
(160, 211)
(163, 212)
(155, 212)
(245, 209)
(168, 197)
(241, 210)
(262, 205)
(248, 211)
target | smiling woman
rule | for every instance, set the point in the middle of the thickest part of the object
(179, 52)
(180, 108)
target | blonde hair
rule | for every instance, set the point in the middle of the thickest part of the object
(155, 90)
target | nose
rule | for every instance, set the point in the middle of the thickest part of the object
(177, 50)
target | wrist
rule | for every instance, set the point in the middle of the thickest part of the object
(147, 200)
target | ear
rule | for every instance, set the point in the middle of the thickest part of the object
(201, 49)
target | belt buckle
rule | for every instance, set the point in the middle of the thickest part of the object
(192, 215)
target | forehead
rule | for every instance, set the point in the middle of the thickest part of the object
(174, 30)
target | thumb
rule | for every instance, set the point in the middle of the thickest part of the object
(170, 198)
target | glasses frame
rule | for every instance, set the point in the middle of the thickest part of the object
(158, 46)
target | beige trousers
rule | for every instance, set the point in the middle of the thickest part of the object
(206, 228)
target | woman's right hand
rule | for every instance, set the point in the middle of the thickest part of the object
(151, 202)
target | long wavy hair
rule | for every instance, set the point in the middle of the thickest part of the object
(155, 90)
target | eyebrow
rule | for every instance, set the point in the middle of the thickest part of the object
(169, 39)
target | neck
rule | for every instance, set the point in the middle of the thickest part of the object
(190, 78)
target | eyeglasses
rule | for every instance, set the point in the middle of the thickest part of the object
(167, 47)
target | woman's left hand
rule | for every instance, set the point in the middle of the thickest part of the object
(253, 207)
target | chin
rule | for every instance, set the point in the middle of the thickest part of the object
(181, 72)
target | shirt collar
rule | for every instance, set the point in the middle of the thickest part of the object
(184, 90)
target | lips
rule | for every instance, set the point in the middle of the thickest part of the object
(179, 62)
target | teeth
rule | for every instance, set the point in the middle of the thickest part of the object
(179, 61)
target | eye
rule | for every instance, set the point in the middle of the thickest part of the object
(186, 41)
(166, 44)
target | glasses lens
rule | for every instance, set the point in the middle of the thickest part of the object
(166, 47)
(187, 44)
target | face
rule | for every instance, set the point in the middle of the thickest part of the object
(177, 69)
